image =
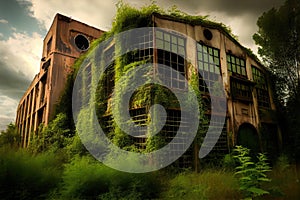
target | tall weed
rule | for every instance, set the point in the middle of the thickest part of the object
(23, 176)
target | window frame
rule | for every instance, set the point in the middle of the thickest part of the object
(171, 51)
(211, 68)
(261, 86)
(236, 66)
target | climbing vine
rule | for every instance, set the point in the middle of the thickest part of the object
(145, 96)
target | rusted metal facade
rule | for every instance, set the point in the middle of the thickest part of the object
(65, 41)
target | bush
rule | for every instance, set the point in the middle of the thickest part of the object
(229, 162)
(86, 178)
(209, 184)
(23, 176)
(251, 175)
(10, 137)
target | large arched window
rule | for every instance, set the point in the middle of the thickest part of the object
(248, 137)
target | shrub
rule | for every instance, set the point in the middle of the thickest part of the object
(86, 178)
(229, 162)
(251, 175)
(10, 137)
(23, 176)
(209, 184)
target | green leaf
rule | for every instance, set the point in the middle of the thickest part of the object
(264, 179)
(257, 191)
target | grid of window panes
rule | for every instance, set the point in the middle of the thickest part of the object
(241, 90)
(261, 87)
(170, 42)
(236, 66)
(171, 52)
(209, 64)
(144, 44)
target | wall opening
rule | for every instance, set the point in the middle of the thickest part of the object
(207, 34)
(82, 42)
(248, 137)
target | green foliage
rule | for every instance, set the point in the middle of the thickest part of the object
(23, 176)
(229, 162)
(278, 40)
(76, 148)
(53, 137)
(282, 163)
(251, 175)
(65, 104)
(209, 184)
(285, 183)
(10, 137)
(86, 178)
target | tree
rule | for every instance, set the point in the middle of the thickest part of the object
(10, 136)
(278, 38)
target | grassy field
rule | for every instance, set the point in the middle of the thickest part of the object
(222, 184)
(47, 176)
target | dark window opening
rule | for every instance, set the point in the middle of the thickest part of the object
(29, 100)
(261, 87)
(40, 116)
(46, 64)
(82, 42)
(109, 83)
(209, 66)
(221, 147)
(241, 90)
(177, 63)
(207, 34)
(141, 55)
(43, 88)
(171, 52)
(49, 46)
(247, 137)
(236, 66)
(270, 140)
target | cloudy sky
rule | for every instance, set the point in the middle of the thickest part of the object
(24, 23)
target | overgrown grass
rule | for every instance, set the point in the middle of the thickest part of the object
(209, 184)
(23, 176)
(45, 176)
(285, 182)
(86, 178)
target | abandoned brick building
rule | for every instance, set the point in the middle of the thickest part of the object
(65, 41)
(250, 111)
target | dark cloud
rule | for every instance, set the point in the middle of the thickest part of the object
(12, 83)
(229, 7)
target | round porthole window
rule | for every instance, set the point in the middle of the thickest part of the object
(82, 42)
(207, 34)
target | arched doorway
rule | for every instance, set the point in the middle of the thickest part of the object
(248, 137)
